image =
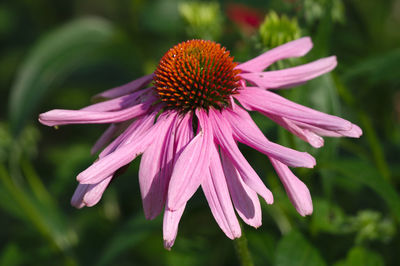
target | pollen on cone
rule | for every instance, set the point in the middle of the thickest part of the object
(196, 73)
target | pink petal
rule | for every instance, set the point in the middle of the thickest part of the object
(295, 48)
(171, 218)
(170, 226)
(244, 199)
(269, 103)
(155, 169)
(135, 129)
(247, 132)
(191, 165)
(95, 192)
(297, 191)
(291, 76)
(89, 194)
(223, 134)
(217, 194)
(64, 117)
(354, 132)
(77, 198)
(117, 103)
(303, 133)
(108, 164)
(184, 134)
(127, 88)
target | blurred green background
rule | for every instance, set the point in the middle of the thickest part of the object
(57, 54)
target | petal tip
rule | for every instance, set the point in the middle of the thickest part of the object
(310, 161)
(305, 211)
(168, 244)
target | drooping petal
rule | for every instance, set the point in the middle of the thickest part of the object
(269, 103)
(183, 135)
(77, 197)
(354, 132)
(217, 194)
(59, 117)
(170, 226)
(117, 103)
(295, 48)
(297, 191)
(153, 172)
(135, 129)
(171, 218)
(303, 133)
(89, 194)
(95, 192)
(247, 132)
(125, 153)
(223, 135)
(191, 166)
(290, 77)
(244, 199)
(127, 88)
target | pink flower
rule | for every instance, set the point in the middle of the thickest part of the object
(187, 124)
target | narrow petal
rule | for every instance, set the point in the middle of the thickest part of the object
(95, 192)
(170, 226)
(295, 48)
(303, 133)
(125, 153)
(191, 165)
(77, 198)
(244, 199)
(135, 129)
(217, 194)
(223, 135)
(297, 191)
(171, 218)
(117, 103)
(290, 77)
(63, 117)
(184, 134)
(127, 88)
(269, 103)
(353, 132)
(153, 172)
(247, 132)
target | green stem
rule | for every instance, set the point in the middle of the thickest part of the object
(242, 251)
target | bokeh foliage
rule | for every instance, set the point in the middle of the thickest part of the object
(56, 54)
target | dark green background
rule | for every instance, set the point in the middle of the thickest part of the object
(56, 54)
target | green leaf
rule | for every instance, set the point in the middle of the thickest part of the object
(365, 173)
(45, 216)
(361, 256)
(57, 55)
(294, 250)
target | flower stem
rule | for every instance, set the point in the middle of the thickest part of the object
(242, 251)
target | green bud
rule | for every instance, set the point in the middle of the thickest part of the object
(203, 19)
(277, 30)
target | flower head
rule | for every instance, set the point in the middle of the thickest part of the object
(186, 120)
